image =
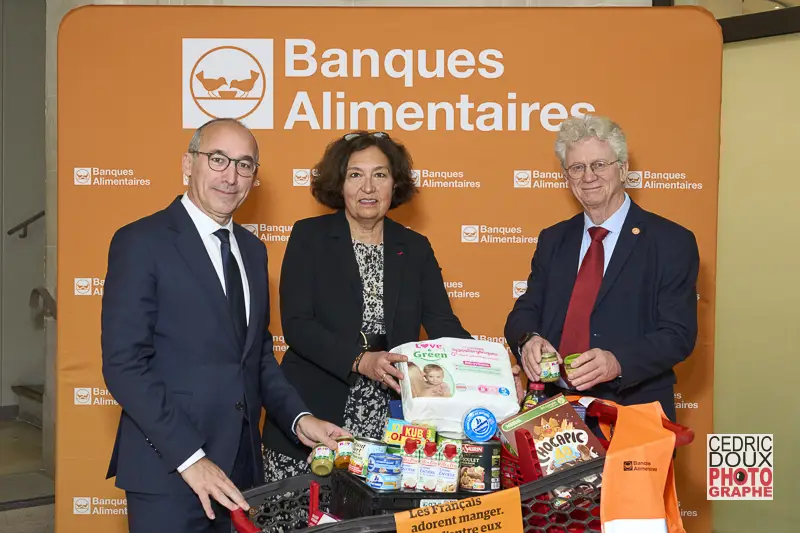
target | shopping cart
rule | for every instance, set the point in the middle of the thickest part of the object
(564, 502)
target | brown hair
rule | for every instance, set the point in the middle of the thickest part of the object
(327, 177)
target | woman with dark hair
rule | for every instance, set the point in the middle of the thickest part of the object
(353, 284)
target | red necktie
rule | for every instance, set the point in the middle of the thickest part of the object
(575, 335)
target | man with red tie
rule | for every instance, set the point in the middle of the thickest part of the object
(616, 283)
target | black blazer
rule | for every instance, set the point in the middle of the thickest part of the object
(321, 310)
(646, 310)
(171, 357)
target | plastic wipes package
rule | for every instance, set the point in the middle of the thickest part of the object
(446, 378)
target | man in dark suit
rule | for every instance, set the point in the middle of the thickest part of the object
(615, 283)
(187, 350)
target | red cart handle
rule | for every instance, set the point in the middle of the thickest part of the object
(608, 413)
(242, 523)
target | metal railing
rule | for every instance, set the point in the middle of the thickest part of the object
(49, 307)
(22, 227)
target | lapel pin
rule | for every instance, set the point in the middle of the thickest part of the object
(399, 253)
(635, 231)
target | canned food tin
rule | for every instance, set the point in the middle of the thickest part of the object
(480, 425)
(394, 450)
(480, 467)
(385, 463)
(386, 482)
(363, 448)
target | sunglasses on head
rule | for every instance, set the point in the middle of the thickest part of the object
(379, 134)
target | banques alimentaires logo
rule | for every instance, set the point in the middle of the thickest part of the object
(88, 505)
(481, 233)
(235, 78)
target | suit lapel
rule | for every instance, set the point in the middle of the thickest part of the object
(393, 259)
(622, 250)
(564, 277)
(190, 246)
(343, 255)
(255, 280)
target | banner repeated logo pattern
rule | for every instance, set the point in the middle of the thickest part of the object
(477, 109)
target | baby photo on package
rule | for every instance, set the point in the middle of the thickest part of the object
(446, 378)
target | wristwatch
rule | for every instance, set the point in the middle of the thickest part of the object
(525, 338)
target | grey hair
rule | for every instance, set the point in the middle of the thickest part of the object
(194, 143)
(601, 128)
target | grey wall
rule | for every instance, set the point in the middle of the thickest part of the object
(22, 191)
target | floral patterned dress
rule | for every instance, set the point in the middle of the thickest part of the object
(367, 405)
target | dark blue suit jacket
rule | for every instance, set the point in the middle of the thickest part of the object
(645, 312)
(171, 357)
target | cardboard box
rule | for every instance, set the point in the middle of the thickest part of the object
(397, 431)
(561, 438)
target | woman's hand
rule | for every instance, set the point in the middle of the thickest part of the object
(378, 366)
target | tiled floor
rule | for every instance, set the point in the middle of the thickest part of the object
(20, 447)
(21, 477)
(30, 520)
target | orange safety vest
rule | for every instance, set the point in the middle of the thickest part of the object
(638, 494)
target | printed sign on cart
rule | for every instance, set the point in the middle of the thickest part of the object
(739, 467)
(498, 511)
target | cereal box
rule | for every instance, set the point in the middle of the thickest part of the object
(561, 438)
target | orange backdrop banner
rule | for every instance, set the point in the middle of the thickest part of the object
(476, 94)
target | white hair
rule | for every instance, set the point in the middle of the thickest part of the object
(602, 128)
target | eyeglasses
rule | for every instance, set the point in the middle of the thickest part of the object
(578, 170)
(246, 168)
(378, 134)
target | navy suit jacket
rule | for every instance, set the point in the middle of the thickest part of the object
(646, 310)
(171, 357)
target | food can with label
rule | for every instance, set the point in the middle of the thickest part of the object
(385, 463)
(480, 467)
(383, 482)
(363, 448)
(479, 425)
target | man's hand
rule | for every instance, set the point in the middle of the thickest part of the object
(209, 481)
(531, 357)
(311, 430)
(594, 367)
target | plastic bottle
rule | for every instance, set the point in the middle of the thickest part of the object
(535, 395)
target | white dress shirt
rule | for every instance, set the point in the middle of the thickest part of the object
(206, 226)
(614, 226)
